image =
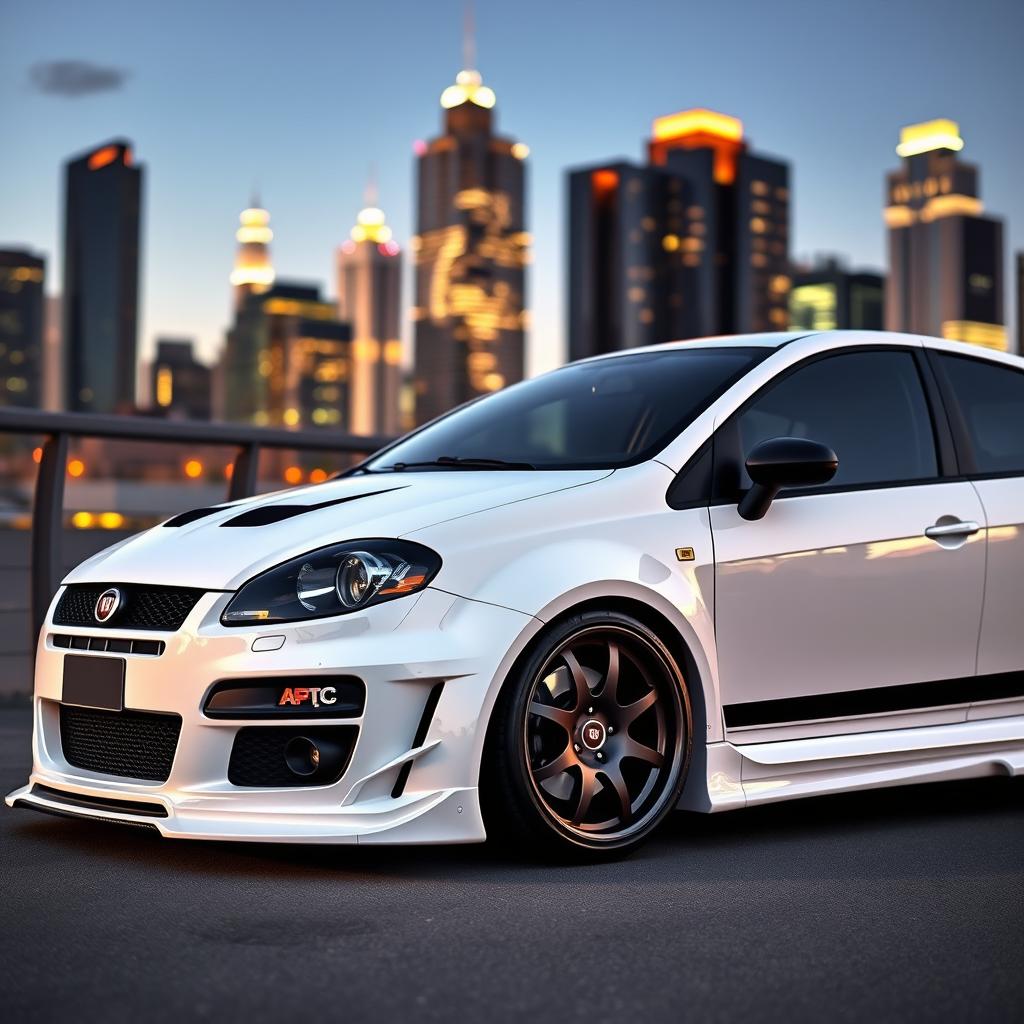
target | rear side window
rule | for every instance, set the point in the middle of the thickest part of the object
(991, 401)
(868, 407)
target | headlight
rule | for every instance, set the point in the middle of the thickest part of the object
(332, 581)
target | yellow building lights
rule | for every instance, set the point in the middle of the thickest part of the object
(899, 216)
(253, 268)
(520, 150)
(815, 303)
(164, 386)
(370, 226)
(951, 206)
(929, 135)
(469, 88)
(975, 333)
(694, 122)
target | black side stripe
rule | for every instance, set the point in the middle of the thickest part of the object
(421, 734)
(876, 701)
(268, 514)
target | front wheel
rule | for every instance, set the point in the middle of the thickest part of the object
(590, 739)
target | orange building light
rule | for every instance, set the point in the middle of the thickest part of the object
(193, 469)
(604, 182)
(104, 156)
(700, 129)
(76, 467)
(293, 475)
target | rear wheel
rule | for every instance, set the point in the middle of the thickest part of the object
(590, 739)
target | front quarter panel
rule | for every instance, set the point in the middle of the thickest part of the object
(616, 538)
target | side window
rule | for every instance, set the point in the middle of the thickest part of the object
(991, 401)
(869, 407)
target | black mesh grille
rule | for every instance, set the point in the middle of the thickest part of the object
(132, 744)
(142, 607)
(257, 757)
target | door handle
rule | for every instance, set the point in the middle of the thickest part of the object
(965, 528)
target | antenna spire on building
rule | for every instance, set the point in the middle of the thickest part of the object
(370, 193)
(468, 38)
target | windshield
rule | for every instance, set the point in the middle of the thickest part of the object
(592, 415)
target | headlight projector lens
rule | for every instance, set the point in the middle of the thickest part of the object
(360, 576)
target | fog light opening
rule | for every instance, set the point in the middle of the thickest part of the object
(302, 756)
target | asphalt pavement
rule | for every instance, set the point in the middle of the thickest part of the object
(895, 905)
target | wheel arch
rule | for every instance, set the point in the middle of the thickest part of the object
(671, 627)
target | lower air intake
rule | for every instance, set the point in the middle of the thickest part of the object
(129, 744)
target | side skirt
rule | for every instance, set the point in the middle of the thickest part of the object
(755, 773)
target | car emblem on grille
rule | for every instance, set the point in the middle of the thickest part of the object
(107, 604)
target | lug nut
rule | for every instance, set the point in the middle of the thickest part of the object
(611, 729)
(576, 747)
(590, 711)
(600, 756)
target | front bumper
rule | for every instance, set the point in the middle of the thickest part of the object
(401, 650)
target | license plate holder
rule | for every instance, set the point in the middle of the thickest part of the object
(93, 682)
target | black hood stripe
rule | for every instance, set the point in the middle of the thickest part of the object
(266, 515)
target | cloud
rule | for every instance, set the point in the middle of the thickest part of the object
(74, 78)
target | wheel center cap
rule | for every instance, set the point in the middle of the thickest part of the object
(593, 734)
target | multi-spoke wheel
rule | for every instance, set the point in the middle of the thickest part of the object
(590, 742)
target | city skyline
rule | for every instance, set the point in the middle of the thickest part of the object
(839, 136)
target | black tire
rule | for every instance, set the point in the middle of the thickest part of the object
(590, 740)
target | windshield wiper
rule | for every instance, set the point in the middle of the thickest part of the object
(459, 462)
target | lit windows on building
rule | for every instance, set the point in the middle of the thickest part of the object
(470, 253)
(286, 344)
(21, 328)
(369, 267)
(945, 252)
(102, 224)
(709, 220)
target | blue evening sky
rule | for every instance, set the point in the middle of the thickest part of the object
(302, 96)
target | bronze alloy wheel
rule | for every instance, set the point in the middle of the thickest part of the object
(597, 731)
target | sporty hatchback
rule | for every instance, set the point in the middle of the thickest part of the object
(705, 575)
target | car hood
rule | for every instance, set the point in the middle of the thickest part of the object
(221, 547)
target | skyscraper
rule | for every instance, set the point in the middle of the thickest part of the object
(1020, 303)
(253, 272)
(471, 250)
(828, 297)
(180, 384)
(945, 253)
(288, 360)
(369, 300)
(21, 328)
(693, 242)
(102, 214)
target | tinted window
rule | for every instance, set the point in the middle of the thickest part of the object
(869, 407)
(991, 400)
(596, 414)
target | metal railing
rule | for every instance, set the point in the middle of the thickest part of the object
(57, 428)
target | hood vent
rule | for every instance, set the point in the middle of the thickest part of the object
(184, 518)
(266, 515)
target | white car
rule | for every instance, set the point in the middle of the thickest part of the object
(705, 575)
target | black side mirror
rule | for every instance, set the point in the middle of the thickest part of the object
(784, 462)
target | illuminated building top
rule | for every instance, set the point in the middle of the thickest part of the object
(700, 129)
(697, 121)
(370, 226)
(253, 270)
(468, 88)
(928, 136)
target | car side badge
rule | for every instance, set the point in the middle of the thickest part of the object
(684, 554)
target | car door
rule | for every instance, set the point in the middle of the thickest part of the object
(986, 402)
(855, 605)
